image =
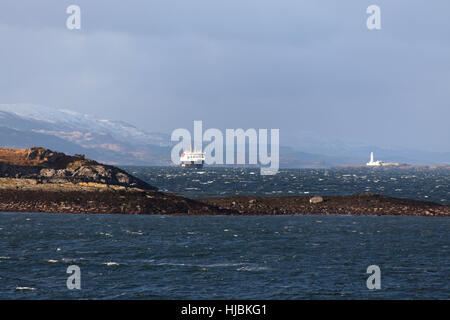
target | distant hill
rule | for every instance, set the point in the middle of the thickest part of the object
(116, 142)
(120, 143)
(356, 152)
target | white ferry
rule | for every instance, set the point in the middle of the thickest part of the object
(192, 159)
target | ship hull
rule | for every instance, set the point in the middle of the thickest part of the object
(192, 165)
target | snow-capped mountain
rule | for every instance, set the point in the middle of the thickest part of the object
(113, 141)
(51, 119)
(118, 142)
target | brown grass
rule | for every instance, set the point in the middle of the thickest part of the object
(18, 157)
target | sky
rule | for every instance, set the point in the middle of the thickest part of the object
(309, 68)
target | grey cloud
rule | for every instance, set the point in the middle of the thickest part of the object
(294, 65)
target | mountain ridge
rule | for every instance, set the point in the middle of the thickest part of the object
(120, 143)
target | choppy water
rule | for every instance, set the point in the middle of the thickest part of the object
(429, 185)
(285, 257)
(153, 257)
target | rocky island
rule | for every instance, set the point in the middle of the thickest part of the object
(41, 180)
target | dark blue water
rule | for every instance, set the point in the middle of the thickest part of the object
(157, 257)
(289, 257)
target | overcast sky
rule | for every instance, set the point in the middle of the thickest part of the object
(300, 66)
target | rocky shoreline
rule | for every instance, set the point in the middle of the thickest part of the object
(40, 180)
(17, 195)
(94, 198)
(358, 204)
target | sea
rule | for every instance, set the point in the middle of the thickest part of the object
(223, 257)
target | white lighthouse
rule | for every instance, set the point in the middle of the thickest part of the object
(373, 163)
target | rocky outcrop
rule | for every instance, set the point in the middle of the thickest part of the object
(23, 195)
(27, 195)
(46, 166)
(41, 180)
(360, 204)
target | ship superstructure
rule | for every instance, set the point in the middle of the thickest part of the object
(192, 159)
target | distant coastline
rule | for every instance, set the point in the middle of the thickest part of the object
(400, 167)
